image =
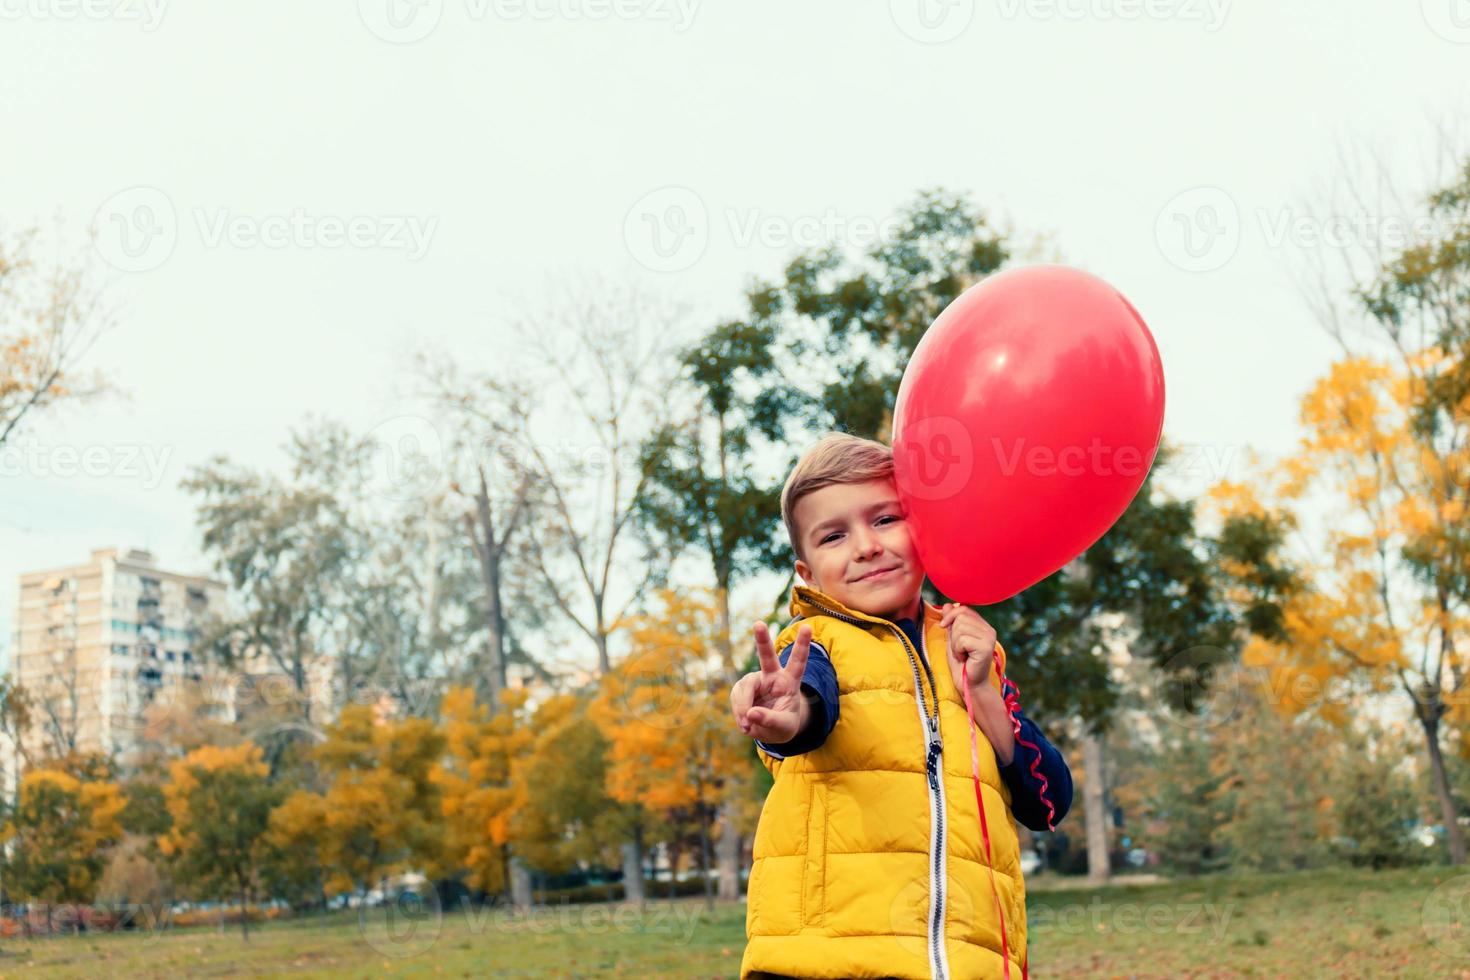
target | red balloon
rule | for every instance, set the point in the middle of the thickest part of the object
(1026, 422)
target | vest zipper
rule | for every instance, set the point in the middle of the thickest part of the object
(933, 770)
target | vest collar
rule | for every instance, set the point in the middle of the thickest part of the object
(807, 602)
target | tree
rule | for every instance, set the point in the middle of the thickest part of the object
(478, 798)
(57, 834)
(1279, 766)
(1374, 804)
(604, 352)
(565, 816)
(846, 325)
(1191, 797)
(300, 848)
(220, 802)
(1370, 614)
(16, 714)
(1390, 437)
(485, 414)
(671, 750)
(285, 550)
(381, 801)
(50, 315)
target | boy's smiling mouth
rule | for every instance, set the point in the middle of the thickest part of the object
(877, 573)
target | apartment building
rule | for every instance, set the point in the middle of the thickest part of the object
(101, 645)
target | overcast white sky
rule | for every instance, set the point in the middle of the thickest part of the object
(288, 195)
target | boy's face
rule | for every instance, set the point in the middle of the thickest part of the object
(858, 551)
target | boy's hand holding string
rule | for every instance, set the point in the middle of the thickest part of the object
(972, 649)
(768, 703)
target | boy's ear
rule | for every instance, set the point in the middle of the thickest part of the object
(805, 571)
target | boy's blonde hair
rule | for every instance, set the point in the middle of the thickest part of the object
(837, 458)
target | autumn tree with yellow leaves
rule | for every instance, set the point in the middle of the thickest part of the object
(1385, 458)
(477, 798)
(378, 811)
(57, 833)
(564, 816)
(220, 802)
(671, 753)
(49, 317)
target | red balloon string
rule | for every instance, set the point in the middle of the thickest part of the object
(1000, 915)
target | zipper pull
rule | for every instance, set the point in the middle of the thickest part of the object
(931, 762)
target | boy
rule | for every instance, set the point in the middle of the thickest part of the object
(869, 858)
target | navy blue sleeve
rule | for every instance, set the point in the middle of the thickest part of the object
(1037, 774)
(819, 684)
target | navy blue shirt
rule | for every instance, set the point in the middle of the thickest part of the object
(1037, 773)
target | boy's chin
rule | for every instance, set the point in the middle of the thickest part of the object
(885, 605)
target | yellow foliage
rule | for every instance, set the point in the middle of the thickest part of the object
(1363, 611)
(478, 797)
(184, 778)
(664, 710)
(60, 819)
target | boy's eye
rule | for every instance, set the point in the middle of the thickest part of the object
(889, 517)
(829, 537)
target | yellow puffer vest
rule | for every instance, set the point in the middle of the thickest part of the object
(863, 865)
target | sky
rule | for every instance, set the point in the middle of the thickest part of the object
(288, 197)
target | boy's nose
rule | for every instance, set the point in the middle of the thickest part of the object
(868, 545)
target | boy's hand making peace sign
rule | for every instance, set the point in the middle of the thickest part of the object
(768, 703)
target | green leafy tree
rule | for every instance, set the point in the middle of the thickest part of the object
(1191, 799)
(220, 801)
(58, 833)
(1375, 807)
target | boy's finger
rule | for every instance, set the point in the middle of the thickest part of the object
(796, 663)
(769, 726)
(765, 649)
(742, 696)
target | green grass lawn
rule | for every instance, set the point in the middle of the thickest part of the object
(1330, 924)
